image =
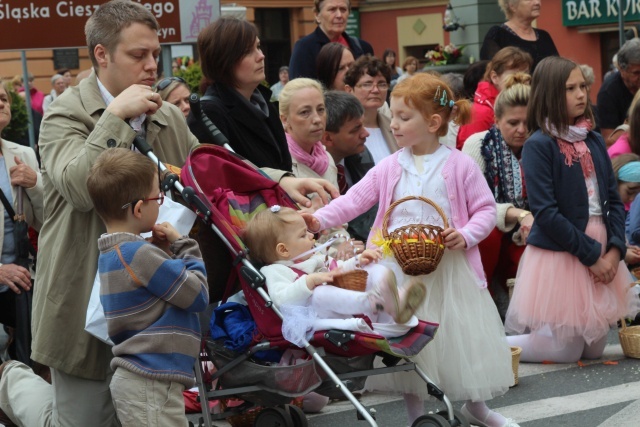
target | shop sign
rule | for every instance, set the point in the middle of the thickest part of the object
(50, 24)
(591, 12)
(353, 23)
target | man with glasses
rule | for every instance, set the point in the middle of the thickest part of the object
(107, 109)
(617, 91)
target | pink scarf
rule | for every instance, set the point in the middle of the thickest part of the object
(573, 147)
(318, 160)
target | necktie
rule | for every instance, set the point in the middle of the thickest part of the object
(342, 180)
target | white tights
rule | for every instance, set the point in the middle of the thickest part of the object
(330, 302)
(541, 346)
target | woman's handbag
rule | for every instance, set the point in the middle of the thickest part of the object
(25, 257)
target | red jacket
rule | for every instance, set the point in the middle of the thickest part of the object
(482, 116)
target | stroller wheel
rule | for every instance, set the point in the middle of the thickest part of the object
(297, 415)
(430, 420)
(273, 417)
(460, 420)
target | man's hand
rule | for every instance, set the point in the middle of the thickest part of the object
(16, 277)
(22, 175)
(298, 188)
(135, 101)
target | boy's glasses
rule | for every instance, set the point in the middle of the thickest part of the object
(159, 199)
(162, 85)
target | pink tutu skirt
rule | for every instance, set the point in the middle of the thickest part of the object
(554, 290)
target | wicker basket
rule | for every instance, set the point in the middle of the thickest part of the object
(355, 280)
(418, 248)
(629, 339)
(515, 363)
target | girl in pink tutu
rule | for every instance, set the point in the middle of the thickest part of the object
(571, 285)
(470, 358)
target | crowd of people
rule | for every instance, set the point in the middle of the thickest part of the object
(520, 174)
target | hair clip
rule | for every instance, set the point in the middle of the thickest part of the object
(275, 208)
(451, 103)
(444, 99)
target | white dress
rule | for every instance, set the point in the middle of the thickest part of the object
(469, 359)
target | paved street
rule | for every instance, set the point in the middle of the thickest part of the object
(596, 395)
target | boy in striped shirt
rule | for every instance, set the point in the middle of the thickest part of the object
(150, 289)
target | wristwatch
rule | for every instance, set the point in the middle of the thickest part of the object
(522, 215)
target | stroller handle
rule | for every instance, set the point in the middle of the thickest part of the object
(217, 136)
(171, 179)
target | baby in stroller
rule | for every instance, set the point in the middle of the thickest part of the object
(295, 275)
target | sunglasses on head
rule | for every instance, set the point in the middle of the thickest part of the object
(164, 83)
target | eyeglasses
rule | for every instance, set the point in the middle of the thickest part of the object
(159, 199)
(162, 84)
(370, 85)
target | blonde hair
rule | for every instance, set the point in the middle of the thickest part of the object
(265, 230)
(420, 92)
(515, 94)
(164, 93)
(292, 88)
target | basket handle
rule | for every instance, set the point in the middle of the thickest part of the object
(623, 323)
(387, 214)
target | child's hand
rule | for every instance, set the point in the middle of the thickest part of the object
(313, 225)
(633, 255)
(453, 239)
(369, 256)
(166, 231)
(316, 279)
(613, 256)
(603, 270)
(163, 235)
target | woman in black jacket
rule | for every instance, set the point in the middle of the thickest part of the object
(235, 100)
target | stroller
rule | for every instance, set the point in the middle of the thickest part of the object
(339, 361)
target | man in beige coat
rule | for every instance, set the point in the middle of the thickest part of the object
(101, 112)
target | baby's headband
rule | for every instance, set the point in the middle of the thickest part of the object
(630, 172)
(443, 100)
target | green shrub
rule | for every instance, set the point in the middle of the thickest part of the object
(192, 75)
(19, 124)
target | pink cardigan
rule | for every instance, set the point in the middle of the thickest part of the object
(473, 207)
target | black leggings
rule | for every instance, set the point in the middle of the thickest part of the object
(8, 308)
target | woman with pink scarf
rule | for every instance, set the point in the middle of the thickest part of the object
(303, 116)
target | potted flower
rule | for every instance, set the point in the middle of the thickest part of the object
(444, 55)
